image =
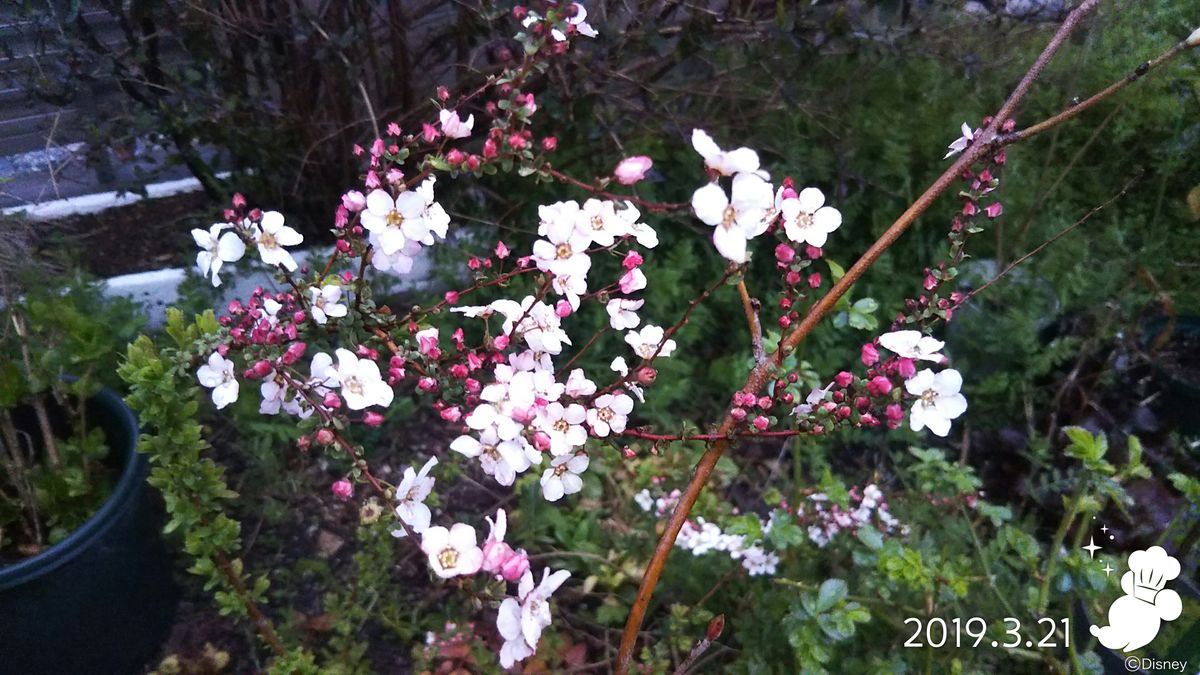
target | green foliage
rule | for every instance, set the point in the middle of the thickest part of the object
(163, 392)
(58, 347)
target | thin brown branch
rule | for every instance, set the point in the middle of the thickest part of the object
(1059, 235)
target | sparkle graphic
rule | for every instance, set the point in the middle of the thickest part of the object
(1104, 529)
(1091, 548)
(1107, 569)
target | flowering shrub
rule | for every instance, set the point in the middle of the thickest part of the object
(505, 375)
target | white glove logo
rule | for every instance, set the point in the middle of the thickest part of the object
(1134, 618)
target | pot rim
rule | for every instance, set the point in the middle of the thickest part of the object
(104, 518)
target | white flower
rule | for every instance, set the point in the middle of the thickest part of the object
(622, 313)
(502, 460)
(399, 262)
(735, 220)
(452, 552)
(600, 221)
(522, 619)
(646, 342)
(453, 127)
(758, 562)
(644, 500)
(271, 236)
(326, 303)
(562, 478)
(578, 385)
(410, 498)
(564, 426)
(217, 375)
(564, 250)
(217, 249)
(912, 344)
(581, 26)
(278, 397)
(558, 213)
(360, 381)
(807, 220)
(961, 142)
(434, 218)
(938, 400)
(609, 413)
(724, 163)
(395, 222)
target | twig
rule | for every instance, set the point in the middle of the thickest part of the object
(1061, 233)
(750, 306)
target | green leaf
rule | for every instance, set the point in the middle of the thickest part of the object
(832, 592)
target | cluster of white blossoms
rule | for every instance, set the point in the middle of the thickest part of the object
(399, 226)
(528, 413)
(751, 205)
(360, 383)
(867, 508)
(270, 235)
(938, 398)
(700, 536)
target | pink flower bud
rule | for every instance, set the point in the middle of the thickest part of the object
(792, 278)
(501, 250)
(738, 414)
(906, 367)
(490, 149)
(495, 554)
(870, 355)
(342, 489)
(451, 414)
(969, 208)
(262, 368)
(393, 129)
(812, 251)
(429, 132)
(294, 352)
(785, 321)
(646, 376)
(456, 157)
(765, 402)
(843, 412)
(332, 401)
(515, 567)
(541, 441)
(473, 162)
(632, 259)
(324, 436)
(761, 423)
(894, 414)
(549, 143)
(372, 418)
(868, 420)
(500, 342)
(631, 170)
(343, 246)
(427, 384)
(784, 253)
(993, 210)
(814, 280)
(879, 386)
(516, 141)
(562, 309)
(843, 379)
(443, 93)
(354, 201)
(238, 201)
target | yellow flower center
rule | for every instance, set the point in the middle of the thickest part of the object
(928, 396)
(605, 414)
(597, 223)
(560, 469)
(267, 240)
(394, 218)
(563, 251)
(353, 386)
(448, 558)
(804, 220)
(561, 426)
(729, 217)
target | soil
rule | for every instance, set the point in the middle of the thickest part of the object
(145, 235)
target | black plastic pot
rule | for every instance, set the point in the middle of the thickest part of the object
(103, 599)
(1181, 397)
